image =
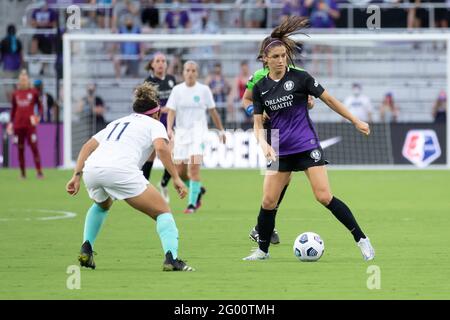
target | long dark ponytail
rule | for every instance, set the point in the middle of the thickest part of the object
(280, 36)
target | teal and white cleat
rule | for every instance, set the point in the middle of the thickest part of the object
(367, 250)
(258, 254)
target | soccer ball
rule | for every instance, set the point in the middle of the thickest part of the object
(308, 246)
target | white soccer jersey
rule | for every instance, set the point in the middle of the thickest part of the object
(359, 106)
(190, 104)
(126, 143)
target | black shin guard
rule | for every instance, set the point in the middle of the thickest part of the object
(282, 196)
(266, 224)
(147, 169)
(345, 216)
(165, 178)
(279, 201)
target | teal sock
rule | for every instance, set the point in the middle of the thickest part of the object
(186, 183)
(194, 191)
(168, 233)
(93, 223)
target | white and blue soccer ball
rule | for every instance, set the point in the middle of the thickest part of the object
(308, 246)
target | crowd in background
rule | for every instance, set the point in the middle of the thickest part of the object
(144, 16)
(194, 15)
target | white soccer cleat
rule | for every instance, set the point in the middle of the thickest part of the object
(164, 192)
(258, 254)
(367, 250)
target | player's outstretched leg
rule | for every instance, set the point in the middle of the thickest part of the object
(273, 186)
(94, 220)
(266, 225)
(345, 216)
(275, 238)
(321, 189)
(168, 233)
(194, 191)
(20, 136)
(32, 140)
(152, 204)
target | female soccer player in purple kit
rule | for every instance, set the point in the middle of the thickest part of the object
(283, 95)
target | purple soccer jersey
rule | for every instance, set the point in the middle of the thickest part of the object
(177, 19)
(44, 17)
(165, 87)
(285, 101)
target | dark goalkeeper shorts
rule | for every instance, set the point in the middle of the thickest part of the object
(298, 161)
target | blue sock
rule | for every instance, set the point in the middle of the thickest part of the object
(93, 223)
(168, 233)
(194, 191)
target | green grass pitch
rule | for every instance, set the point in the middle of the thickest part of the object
(405, 213)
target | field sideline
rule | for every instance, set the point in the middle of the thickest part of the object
(405, 213)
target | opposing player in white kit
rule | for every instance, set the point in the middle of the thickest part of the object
(110, 163)
(189, 102)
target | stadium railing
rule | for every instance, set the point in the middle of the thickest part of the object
(273, 10)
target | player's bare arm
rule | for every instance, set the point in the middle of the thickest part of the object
(247, 99)
(163, 151)
(218, 123)
(340, 108)
(170, 121)
(73, 186)
(258, 130)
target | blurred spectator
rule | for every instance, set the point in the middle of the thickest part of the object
(43, 18)
(208, 25)
(207, 51)
(389, 112)
(417, 16)
(176, 18)
(104, 15)
(49, 106)
(359, 104)
(242, 79)
(175, 68)
(293, 8)
(123, 10)
(131, 52)
(441, 15)
(220, 89)
(91, 111)
(255, 16)
(440, 108)
(197, 13)
(150, 15)
(11, 58)
(323, 13)
(240, 85)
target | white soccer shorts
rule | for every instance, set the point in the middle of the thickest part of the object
(188, 143)
(102, 183)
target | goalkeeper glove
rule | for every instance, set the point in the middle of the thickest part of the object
(249, 110)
